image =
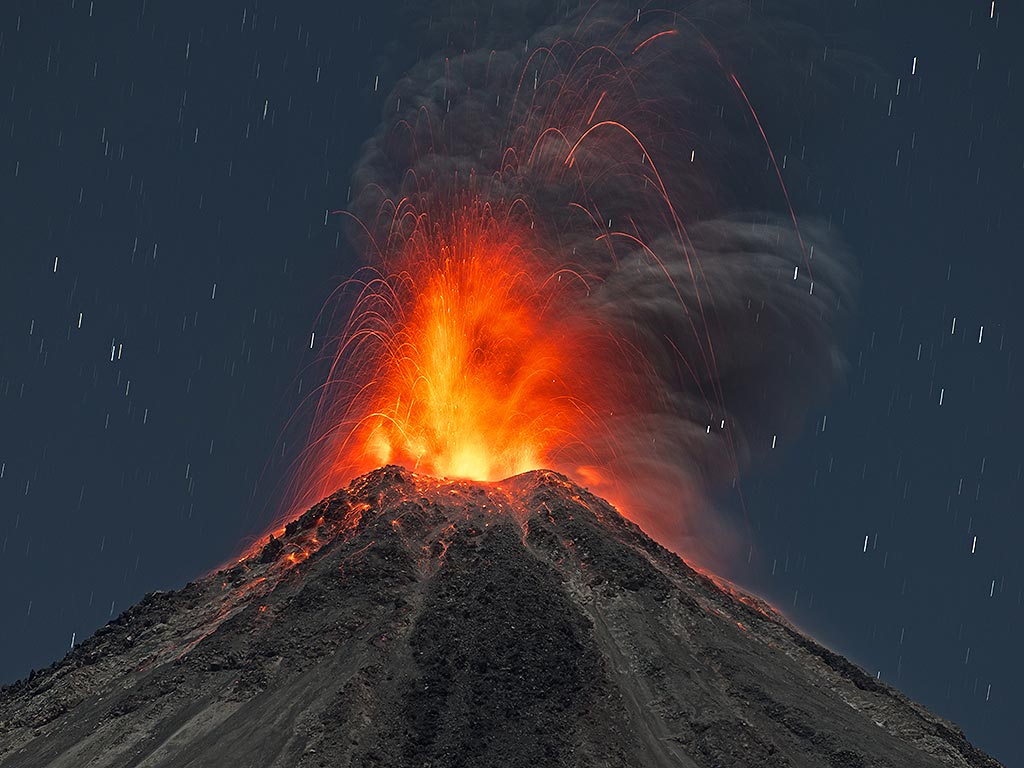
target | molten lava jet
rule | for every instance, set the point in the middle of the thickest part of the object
(467, 375)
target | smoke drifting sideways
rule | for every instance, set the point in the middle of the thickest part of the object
(579, 255)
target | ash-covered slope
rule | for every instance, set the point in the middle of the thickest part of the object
(407, 621)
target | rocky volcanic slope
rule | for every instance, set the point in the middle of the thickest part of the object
(410, 622)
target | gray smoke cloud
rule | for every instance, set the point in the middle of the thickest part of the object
(729, 305)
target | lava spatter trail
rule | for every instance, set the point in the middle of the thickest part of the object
(564, 269)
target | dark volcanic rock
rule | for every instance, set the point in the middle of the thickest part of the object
(409, 622)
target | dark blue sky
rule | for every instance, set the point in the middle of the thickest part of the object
(165, 173)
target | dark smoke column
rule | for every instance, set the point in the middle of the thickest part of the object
(580, 255)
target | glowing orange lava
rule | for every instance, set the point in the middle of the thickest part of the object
(470, 380)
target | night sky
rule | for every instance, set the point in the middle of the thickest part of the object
(166, 171)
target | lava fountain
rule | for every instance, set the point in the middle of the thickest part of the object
(555, 276)
(468, 373)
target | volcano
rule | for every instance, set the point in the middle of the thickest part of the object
(407, 621)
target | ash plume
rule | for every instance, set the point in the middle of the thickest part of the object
(625, 143)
